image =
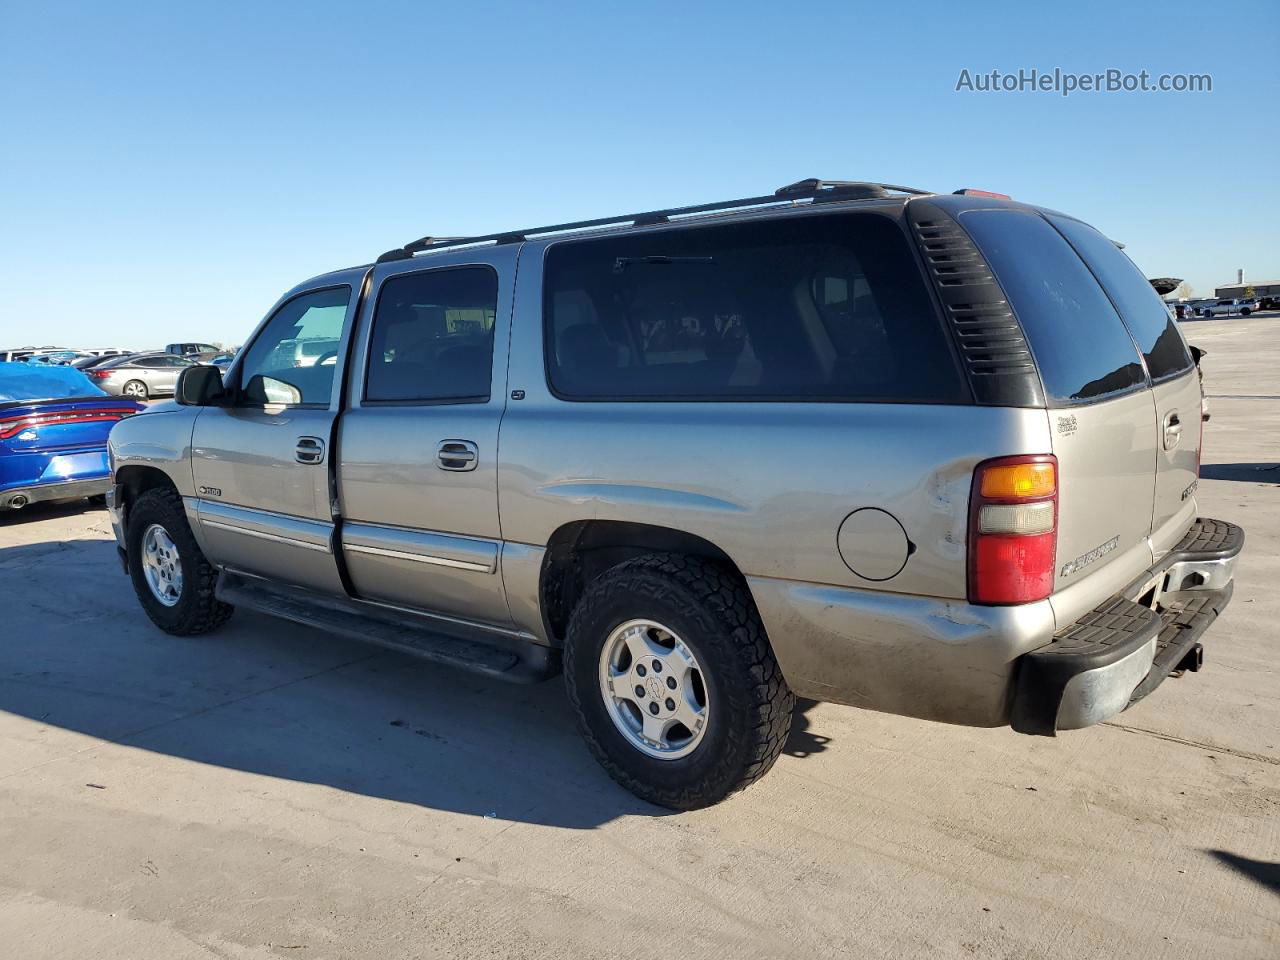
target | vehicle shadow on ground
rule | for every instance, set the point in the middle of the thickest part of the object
(1260, 871)
(46, 510)
(284, 701)
(1248, 472)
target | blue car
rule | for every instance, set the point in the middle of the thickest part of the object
(54, 424)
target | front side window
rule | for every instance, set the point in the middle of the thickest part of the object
(292, 360)
(1144, 313)
(1079, 342)
(798, 308)
(432, 338)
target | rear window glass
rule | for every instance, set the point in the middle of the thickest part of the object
(23, 381)
(802, 308)
(1079, 342)
(1143, 311)
(433, 337)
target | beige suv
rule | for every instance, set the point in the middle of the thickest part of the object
(931, 454)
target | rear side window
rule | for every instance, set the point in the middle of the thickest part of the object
(1079, 342)
(1143, 311)
(432, 337)
(802, 308)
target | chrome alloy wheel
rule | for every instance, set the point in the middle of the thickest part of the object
(654, 690)
(162, 565)
(134, 389)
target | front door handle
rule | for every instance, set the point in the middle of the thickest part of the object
(1172, 430)
(458, 455)
(310, 450)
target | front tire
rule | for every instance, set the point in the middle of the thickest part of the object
(675, 686)
(172, 577)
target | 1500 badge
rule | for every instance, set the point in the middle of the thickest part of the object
(210, 491)
(1085, 559)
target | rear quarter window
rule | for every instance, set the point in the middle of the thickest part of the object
(1081, 346)
(1141, 308)
(799, 308)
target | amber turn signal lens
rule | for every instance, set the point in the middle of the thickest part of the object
(1019, 481)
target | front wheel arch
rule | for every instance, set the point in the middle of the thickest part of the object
(135, 480)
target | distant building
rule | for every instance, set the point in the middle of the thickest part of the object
(1237, 290)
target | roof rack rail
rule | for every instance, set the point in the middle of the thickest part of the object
(813, 189)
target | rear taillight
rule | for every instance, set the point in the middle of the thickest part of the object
(99, 374)
(13, 426)
(1013, 529)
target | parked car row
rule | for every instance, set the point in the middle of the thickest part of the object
(83, 359)
(1224, 307)
(138, 375)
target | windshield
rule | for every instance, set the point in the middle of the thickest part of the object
(22, 382)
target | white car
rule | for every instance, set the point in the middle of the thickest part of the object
(1229, 308)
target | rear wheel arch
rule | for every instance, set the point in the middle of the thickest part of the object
(579, 552)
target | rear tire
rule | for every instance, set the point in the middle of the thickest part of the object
(136, 389)
(706, 610)
(190, 607)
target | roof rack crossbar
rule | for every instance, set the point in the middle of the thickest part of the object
(812, 189)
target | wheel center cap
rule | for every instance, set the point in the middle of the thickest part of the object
(654, 686)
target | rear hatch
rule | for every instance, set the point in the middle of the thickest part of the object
(1175, 384)
(1126, 442)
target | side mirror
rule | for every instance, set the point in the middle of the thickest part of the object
(199, 386)
(268, 391)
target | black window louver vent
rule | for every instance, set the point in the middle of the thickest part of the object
(986, 331)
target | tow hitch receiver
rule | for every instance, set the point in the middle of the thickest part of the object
(1193, 660)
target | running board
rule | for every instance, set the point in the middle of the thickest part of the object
(476, 649)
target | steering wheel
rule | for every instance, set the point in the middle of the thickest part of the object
(331, 355)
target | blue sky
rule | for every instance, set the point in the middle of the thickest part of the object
(168, 169)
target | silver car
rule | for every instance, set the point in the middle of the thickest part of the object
(141, 375)
(930, 454)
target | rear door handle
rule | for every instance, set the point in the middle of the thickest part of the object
(310, 450)
(1172, 430)
(457, 455)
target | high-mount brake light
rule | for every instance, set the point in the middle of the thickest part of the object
(970, 192)
(1013, 529)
